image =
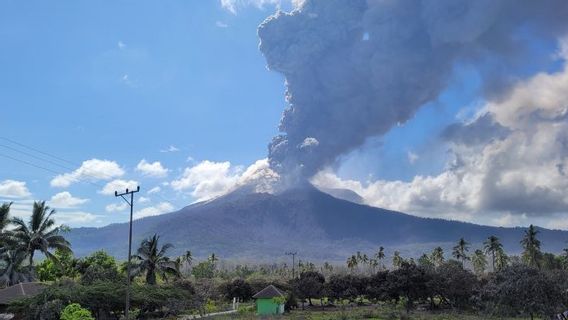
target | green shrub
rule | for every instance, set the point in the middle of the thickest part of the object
(74, 311)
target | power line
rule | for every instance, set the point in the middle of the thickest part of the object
(36, 150)
(86, 171)
(35, 157)
(103, 176)
(46, 169)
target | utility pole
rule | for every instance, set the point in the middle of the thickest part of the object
(131, 204)
(293, 254)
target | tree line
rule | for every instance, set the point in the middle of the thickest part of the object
(481, 280)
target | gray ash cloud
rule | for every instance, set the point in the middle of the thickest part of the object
(355, 68)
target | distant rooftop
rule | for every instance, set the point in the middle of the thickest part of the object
(20, 290)
(269, 292)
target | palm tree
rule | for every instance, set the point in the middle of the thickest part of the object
(213, 259)
(373, 263)
(153, 260)
(425, 261)
(184, 261)
(359, 257)
(501, 259)
(4, 216)
(492, 246)
(479, 262)
(4, 221)
(531, 244)
(380, 256)
(437, 256)
(39, 234)
(397, 260)
(13, 272)
(352, 263)
(460, 251)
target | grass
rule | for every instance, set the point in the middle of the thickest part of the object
(360, 313)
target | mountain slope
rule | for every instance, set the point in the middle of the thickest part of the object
(262, 226)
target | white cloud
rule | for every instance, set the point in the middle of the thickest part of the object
(160, 208)
(144, 200)
(14, 189)
(66, 200)
(154, 190)
(412, 157)
(221, 24)
(171, 148)
(517, 176)
(76, 218)
(154, 169)
(209, 179)
(233, 6)
(90, 170)
(118, 185)
(114, 207)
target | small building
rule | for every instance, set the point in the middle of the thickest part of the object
(19, 291)
(270, 301)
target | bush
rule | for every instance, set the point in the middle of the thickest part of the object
(74, 311)
(105, 299)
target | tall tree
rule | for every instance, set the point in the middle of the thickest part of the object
(4, 222)
(425, 262)
(213, 259)
(4, 216)
(352, 263)
(460, 251)
(397, 260)
(39, 234)
(492, 246)
(501, 259)
(152, 260)
(531, 246)
(437, 256)
(479, 262)
(380, 256)
(13, 272)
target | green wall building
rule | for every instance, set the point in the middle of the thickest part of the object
(269, 301)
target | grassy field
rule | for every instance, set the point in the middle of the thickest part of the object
(359, 313)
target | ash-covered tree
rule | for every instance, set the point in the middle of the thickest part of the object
(501, 260)
(437, 256)
(460, 251)
(397, 260)
(352, 263)
(425, 262)
(493, 247)
(479, 262)
(380, 257)
(531, 247)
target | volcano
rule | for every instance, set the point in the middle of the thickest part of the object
(260, 227)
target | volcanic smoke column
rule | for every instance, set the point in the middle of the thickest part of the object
(356, 68)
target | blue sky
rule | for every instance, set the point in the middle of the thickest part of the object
(124, 80)
(181, 83)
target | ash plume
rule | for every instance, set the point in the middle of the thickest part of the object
(356, 68)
